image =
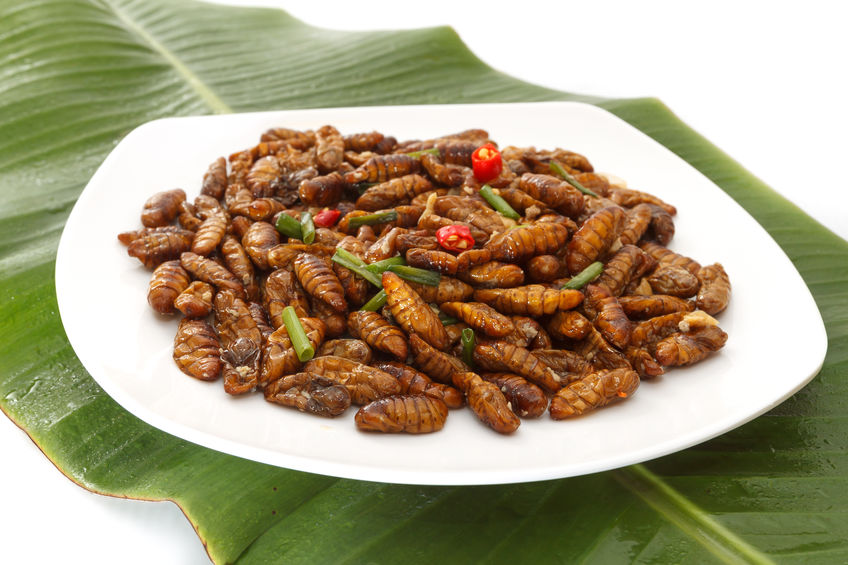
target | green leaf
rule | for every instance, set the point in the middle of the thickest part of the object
(78, 75)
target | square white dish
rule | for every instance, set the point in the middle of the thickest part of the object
(127, 347)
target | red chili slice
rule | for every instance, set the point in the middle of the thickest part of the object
(486, 162)
(326, 218)
(455, 238)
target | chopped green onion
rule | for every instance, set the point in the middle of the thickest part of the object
(363, 186)
(378, 267)
(350, 261)
(418, 154)
(414, 274)
(288, 226)
(557, 169)
(297, 335)
(377, 301)
(468, 343)
(371, 219)
(307, 228)
(447, 320)
(585, 276)
(498, 203)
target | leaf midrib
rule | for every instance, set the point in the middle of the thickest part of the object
(206, 94)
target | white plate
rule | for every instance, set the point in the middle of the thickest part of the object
(127, 347)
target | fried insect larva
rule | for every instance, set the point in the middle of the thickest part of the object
(688, 348)
(642, 307)
(593, 391)
(595, 182)
(336, 321)
(356, 289)
(209, 234)
(674, 281)
(481, 317)
(353, 349)
(197, 350)
(258, 209)
(609, 317)
(487, 402)
(434, 222)
(161, 208)
(529, 333)
(128, 237)
(521, 243)
(241, 342)
(554, 192)
(630, 198)
(364, 383)
(628, 263)
(412, 313)
(323, 190)
(239, 264)
(381, 168)
(443, 173)
(169, 279)
(393, 192)
(384, 247)
(258, 240)
(360, 142)
(471, 211)
(436, 364)
(156, 247)
(295, 138)
(187, 217)
(661, 227)
(282, 289)
(523, 203)
(525, 399)
(650, 331)
(493, 274)
(264, 176)
(636, 224)
(329, 148)
(196, 300)
(417, 414)
(643, 362)
(257, 312)
(714, 294)
(309, 393)
(279, 356)
(378, 333)
(434, 260)
(215, 179)
(211, 272)
(666, 256)
(530, 300)
(600, 353)
(319, 281)
(545, 268)
(594, 238)
(570, 366)
(471, 258)
(415, 382)
(282, 256)
(500, 356)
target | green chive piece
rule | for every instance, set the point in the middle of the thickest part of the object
(585, 276)
(307, 228)
(288, 226)
(363, 186)
(418, 154)
(377, 301)
(556, 168)
(350, 261)
(498, 203)
(297, 335)
(378, 267)
(414, 274)
(371, 219)
(468, 343)
(447, 320)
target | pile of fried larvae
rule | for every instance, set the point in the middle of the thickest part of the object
(411, 278)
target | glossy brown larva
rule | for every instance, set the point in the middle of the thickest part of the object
(416, 290)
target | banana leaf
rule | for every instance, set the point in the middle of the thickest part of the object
(78, 75)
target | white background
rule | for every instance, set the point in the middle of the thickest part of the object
(764, 81)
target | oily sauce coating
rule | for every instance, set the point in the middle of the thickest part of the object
(417, 414)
